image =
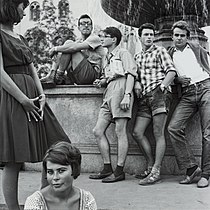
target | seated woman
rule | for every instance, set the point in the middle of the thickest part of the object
(62, 163)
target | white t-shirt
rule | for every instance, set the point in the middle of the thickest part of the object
(186, 65)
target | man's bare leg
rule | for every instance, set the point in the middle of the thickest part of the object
(68, 62)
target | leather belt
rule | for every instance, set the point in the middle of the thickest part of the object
(22, 69)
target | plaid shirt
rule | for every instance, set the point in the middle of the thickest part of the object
(152, 67)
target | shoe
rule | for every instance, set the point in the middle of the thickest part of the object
(100, 175)
(144, 174)
(189, 179)
(50, 78)
(203, 182)
(59, 77)
(49, 81)
(1, 166)
(152, 178)
(112, 178)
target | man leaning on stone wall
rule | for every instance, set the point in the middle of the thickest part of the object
(191, 62)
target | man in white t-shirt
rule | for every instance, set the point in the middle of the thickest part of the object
(81, 59)
(191, 62)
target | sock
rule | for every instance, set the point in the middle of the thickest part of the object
(206, 176)
(191, 170)
(118, 171)
(107, 168)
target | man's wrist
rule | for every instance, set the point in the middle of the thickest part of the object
(162, 87)
(56, 49)
(127, 94)
(42, 95)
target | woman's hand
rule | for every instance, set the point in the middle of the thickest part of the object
(125, 103)
(31, 109)
(42, 101)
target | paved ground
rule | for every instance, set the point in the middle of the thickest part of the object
(126, 195)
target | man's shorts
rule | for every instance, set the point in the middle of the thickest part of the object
(153, 103)
(83, 74)
(113, 95)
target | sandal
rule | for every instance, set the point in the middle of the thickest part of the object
(152, 178)
(144, 174)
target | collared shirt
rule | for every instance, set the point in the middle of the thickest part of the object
(188, 66)
(119, 63)
(95, 53)
(152, 67)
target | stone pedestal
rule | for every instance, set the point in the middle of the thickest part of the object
(77, 107)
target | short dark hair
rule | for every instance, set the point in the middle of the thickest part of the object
(9, 12)
(64, 153)
(84, 16)
(146, 26)
(181, 24)
(114, 32)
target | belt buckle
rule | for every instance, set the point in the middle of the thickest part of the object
(185, 88)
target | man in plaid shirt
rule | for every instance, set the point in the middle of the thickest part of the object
(155, 73)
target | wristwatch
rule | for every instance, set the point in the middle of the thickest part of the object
(162, 87)
(129, 94)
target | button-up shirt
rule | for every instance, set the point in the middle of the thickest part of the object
(152, 67)
(119, 63)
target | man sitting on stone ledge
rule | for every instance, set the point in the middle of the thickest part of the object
(81, 59)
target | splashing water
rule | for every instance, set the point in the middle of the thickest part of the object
(182, 8)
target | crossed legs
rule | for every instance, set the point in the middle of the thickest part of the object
(159, 121)
(104, 145)
(138, 133)
(120, 129)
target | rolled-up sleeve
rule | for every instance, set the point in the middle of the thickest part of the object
(166, 61)
(93, 41)
(128, 63)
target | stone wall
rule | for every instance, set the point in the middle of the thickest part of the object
(76, 107)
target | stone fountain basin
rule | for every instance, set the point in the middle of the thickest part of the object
(136, 12)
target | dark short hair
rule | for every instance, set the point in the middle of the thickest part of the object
(9, 12)
(181, 25)
(114, 32)
(64, 153)
(84, 16)
(146, 26)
